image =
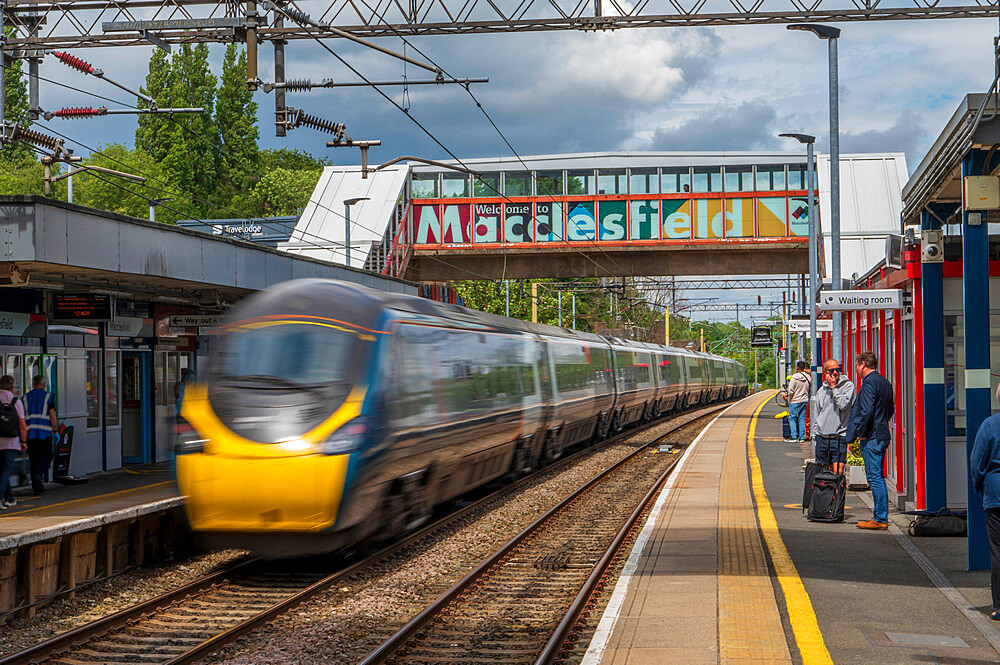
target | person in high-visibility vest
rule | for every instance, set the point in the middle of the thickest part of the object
(43, 431)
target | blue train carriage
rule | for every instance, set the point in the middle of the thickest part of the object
(331, 413)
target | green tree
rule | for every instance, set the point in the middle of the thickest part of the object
(121, 195)
(15, 87)
(281, 192)
(154, 132)
(286, 158)
(236, 118)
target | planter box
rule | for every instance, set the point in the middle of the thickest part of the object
(856, 479)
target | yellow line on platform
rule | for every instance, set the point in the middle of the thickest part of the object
(805, 626)
(97, 497)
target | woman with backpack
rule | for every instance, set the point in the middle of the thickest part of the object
(13, 432)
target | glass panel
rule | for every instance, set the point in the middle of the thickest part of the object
(707, 218)
(160, 377)
(707, 179)
(454, 185)
(643, 181)
(675, 181)
(676, 215)
(111, 388)
(796, 176)
(770, 178)
(739, 218)
(581, 182)
(772, 217)
(612, 181)
(799, 220)
(286, 355)
(488, 184)
(517, 183)
(739, 178)
(423, 185)
(93, 389)
(644, 220)
(549, 183)
(173, 379)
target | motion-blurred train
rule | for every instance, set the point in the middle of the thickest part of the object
(332, 414)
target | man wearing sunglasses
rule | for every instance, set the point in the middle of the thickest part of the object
(831, 408)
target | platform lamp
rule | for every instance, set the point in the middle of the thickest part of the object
(809, 141)
(831, 35)
(152, 207)
(347, 226)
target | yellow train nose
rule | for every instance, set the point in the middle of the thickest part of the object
(300, 493)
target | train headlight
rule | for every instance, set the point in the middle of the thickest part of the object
(188, 440)
(347, 439)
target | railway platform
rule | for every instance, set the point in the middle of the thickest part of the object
(728, 570)
(52, 544)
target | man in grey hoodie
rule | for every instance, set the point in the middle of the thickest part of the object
(831, 409)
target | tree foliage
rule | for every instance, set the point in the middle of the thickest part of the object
(207, 165)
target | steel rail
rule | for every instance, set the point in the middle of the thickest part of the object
(77, 636)
(407, 636)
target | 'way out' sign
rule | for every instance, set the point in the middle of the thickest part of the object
(839, 301)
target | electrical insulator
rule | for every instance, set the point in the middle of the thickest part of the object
(336, 128)
(22, 133)
(74, 62)
(80, 112)
(296, 15)
(298, 84)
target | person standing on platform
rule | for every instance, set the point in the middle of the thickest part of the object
(797, 394)
(984, 468)
(870, 423)
(13, 432)
(831, 409)
(43, 428)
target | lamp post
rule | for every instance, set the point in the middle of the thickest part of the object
(813, 253)
(347, 227)
(831, 35)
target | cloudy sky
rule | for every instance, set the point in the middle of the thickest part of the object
(664, 89)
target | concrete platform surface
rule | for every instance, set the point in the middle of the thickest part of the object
(130, 490)
(728, 570)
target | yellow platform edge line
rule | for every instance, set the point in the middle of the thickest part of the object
(95, 498)
(805, 626)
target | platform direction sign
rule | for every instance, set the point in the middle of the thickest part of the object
(840, 301)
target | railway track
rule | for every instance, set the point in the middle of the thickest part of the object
(524, 604)
(193, 621)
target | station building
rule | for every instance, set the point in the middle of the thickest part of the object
(112, 310)
(630, 202)
(942, 349)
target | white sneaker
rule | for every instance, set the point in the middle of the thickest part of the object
(9, 504)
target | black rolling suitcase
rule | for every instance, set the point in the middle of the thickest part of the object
(829, 495)
(812, 468)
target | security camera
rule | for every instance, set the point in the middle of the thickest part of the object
(932, 246)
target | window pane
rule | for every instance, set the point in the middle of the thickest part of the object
(423, 186)
(111, 387)
(549, 183)
(488, 184)
(581, 182)
(739, 178)
(796, 176)
(644, 181)
(93, 389)
(770, 178)
(707, 179)
(611, 181)
(517, 183)
(454, 185)
(675, 181)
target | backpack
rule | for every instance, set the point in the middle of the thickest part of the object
(10, 422)
(829, 495)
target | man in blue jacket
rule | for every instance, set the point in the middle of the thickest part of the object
(984, 467)
(869, 422)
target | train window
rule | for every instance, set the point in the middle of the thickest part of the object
(288, 353)
(414, 366)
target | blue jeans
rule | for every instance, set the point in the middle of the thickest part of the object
(8, 464)
(873, 453)
(797, 420)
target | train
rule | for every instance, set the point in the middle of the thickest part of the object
(332, 414)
